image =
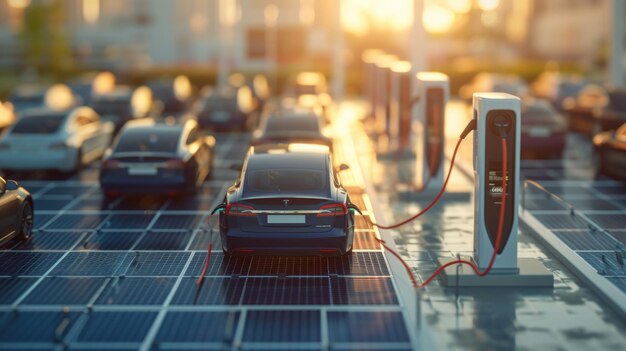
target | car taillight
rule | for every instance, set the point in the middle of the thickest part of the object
(333, 210)
(174, 164)
(238, 210)
(110, 164)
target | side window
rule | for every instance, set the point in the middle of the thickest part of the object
(192, 137)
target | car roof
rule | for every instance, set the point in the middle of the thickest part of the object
(150, 125)
(288, 156)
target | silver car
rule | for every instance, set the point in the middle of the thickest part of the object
(44, 139)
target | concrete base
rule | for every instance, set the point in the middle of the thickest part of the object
(408, 193)
(532, 274)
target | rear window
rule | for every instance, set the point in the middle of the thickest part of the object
(157, 141)
(286, 180)
(47, 124)
(286, 124)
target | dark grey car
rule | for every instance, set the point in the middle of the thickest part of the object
(16, 212)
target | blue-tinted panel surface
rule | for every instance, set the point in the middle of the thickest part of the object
(213, 291)
(91, 263)
(287, 291)
(51, 240)
(116, 326)
(164, 240)
(606, 263)
(184, 327)
(127, 221)
(23, 326)
(289, 265)
(64, 291)
(564, 221)
(136, 291)
(366, 327)
(157, 263)
(41, 220)
(177, 221)
(110, 240)
(283, 326)
(587, 240)
(220, 265)
(76, 221)
(69, 190)
(145, 203)
(27, 263)
(359, 263)
(51, 204)
(363, 291)
(12, 288)
(609, 221)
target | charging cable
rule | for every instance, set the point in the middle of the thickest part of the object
(471, 126)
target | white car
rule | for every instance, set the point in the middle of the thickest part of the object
(44, 139)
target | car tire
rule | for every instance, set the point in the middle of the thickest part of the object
(26, 222)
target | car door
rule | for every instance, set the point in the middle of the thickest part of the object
(198, 154)
(87, 130)
(9, 210)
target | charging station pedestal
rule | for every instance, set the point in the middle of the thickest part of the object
(490, 110)
(433, 88)
(400, 110)
(383, 92)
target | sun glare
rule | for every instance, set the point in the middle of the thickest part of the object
(358, 16)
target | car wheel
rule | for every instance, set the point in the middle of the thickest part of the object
(26, 222)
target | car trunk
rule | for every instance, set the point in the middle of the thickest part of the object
(158, 166)
(288, 214)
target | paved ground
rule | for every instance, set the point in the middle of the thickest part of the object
(121, 275)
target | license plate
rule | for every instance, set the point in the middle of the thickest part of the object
(142, 171)
(286, 219)
(539, 132)
(220, 116)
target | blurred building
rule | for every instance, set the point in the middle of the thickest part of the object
(122, 34)
(570, 29)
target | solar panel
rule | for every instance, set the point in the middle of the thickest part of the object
(136, 291)
(51, 240)
(182, 327)
(587, 240)
(127, 221)
(213, 291)
(116, 326)
(380, 326)
(287, 291)
(76, 221)
(363, 291)
(164, 240)
(64, 291)
(35, 326)
(283, 326)
(177, 221)
(11, 288)
(110, 240)
(27, 263)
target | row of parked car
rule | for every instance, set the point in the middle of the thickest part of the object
(556, 104)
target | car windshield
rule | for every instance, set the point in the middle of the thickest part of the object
(290, 125)
(149, 141)
(272, 181)
(42, 124)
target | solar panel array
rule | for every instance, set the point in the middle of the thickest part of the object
(587, 216)
(122, 276)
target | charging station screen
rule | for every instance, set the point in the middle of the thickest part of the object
(493, 175)
(434, 128)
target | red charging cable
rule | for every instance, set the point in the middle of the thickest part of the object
(206, 265)
(469, 263)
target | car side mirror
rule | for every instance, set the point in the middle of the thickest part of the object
(236, 167)
(343, 167)
(219, 208)
(12, 185)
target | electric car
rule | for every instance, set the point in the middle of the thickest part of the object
(580, 109)
(613, 115)
(226, 109)
(287, 200)
(153, 157)
(123, 104)
(57, 97)
(16, 212)
(295, 125)
(543, 129)
(610, 148)
(556, 87)
(175, 94)
(494, 82)
(92, 84)
(44, 139)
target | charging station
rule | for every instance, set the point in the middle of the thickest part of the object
(497, 115)
(433, 88)
(369, 58)
(383, 86)
(400, 108)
